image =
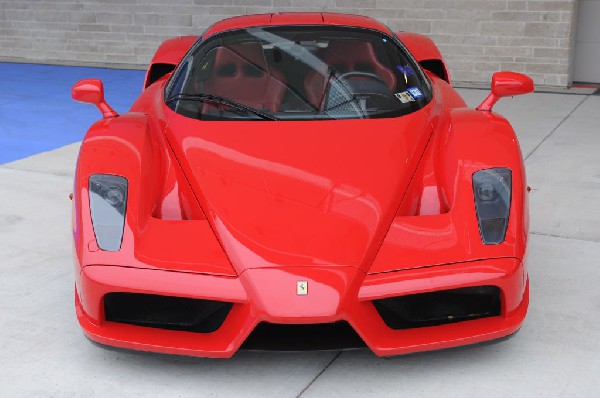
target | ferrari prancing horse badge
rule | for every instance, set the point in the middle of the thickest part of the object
(302, 288)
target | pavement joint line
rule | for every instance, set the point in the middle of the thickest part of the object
(565, 237)
(556, 128)
(54, 174)
(319, 374)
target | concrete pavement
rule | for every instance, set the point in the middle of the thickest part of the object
(556, 354)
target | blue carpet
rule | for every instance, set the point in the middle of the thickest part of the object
(37, 113)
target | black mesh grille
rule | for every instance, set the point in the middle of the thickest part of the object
(438, 308)
(322, 336)
(164, 312)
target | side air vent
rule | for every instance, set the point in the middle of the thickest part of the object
(436, 67)
(164, 312)
(157, 71)
(438, 308)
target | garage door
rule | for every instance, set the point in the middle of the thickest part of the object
(587, 46)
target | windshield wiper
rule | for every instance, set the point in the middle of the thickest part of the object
(217, 99)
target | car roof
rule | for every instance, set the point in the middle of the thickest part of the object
(296, 18)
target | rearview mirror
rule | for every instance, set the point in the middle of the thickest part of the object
(506, 84)
(91, 91)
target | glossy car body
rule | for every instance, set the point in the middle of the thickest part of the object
(300, 222)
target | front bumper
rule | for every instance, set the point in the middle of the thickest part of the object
(270, 295)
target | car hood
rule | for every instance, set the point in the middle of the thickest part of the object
(300, 193)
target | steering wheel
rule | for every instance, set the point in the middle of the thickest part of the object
(368, 75)
(373, 86)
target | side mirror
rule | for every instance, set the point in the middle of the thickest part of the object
(91, 91)
(506, 84)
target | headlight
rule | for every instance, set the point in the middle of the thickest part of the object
(108, 202)
(492, 189)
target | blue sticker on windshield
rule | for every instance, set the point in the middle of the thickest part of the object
(406, 70)
(415, 92)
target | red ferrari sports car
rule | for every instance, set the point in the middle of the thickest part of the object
(300, 177)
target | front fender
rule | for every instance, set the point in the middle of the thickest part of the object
(120, 146)
(481, 140)
(164, 225)
(470, 141)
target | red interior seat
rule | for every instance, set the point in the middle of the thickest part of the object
(347, 56)
(241, 73)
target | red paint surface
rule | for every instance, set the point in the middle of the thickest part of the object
(170, 52)
(241, 211)
(91, 91)
(506, 84)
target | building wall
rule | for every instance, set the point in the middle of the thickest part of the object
(476, 37)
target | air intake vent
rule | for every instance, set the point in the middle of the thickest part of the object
(164, 312)
(438, 308)
(322, 336)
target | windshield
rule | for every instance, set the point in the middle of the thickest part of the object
(297, 73)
